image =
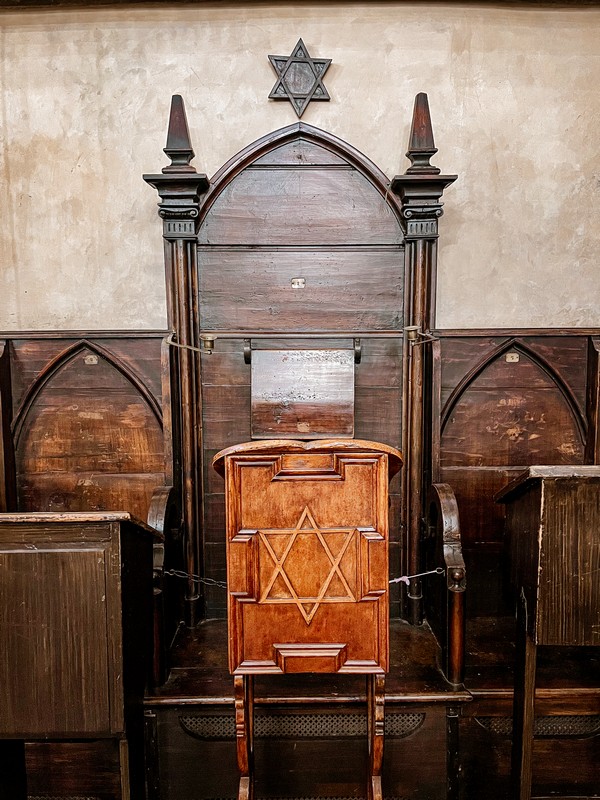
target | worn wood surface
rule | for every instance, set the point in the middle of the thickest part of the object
(75, 606)
(87, 424)
(302, 394)
(506, 402)
(553, 515)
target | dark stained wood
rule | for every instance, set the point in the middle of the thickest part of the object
(86, 440)
(553, 515)
(80, 674)
(8, 483)
(306, 204)
(249, 289)
(180, 188)
(420, 190)
(509, 401)
(592, 445)
(352, 284)
(83, 768)
(552, 521)
(446, 608)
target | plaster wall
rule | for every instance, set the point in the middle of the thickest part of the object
(513, 92)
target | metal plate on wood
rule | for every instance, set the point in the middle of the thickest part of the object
(302, 394)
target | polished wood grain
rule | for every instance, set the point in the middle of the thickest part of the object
(307, 572)
(290, 505)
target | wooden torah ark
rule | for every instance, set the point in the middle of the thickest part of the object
(307, 555)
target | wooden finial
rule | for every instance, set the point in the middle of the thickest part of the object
(179, 147)
(421, 146)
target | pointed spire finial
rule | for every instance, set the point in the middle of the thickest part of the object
(421, 146)
(179, 147)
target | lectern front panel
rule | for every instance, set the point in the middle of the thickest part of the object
(307, 553)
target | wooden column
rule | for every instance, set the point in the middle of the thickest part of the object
(420, 190)
(592, 445)
(180, 188)
(8, 482)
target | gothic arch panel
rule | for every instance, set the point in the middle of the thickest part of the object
(87, 439)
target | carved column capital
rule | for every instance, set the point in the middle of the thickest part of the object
(180, 202)
(420, 195)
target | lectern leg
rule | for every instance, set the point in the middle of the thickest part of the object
(523, 707)
(376, 721)
(244, 733)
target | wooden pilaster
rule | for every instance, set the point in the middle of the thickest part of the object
(8, 486)
(420, 190)
(592, 445)
(180, 188)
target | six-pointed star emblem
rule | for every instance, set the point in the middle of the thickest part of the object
(300, 78)
(307, 540)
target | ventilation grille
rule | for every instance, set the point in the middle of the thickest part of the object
(62, 797)
(323, 798)
(299, 726)
(579, 725)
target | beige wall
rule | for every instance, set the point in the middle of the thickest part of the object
(516, 110)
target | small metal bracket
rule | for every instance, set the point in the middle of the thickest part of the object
(357, 351)
(415, 335)
(247, 351)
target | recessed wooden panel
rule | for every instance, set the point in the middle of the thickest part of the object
(55, 643)
(344, 290)
(553, 517)
(307, 557)
(89, 441)
(512, 414)
(302, 394)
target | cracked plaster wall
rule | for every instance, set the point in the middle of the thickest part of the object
(84, 99)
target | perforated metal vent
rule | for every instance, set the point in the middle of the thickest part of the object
(576, 725)
(61, 797)
(299, 726)
(315, 798)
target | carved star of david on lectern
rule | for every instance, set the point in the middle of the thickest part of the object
(324, 548)
(300, 78)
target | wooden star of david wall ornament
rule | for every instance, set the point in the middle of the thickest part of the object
(299, 78)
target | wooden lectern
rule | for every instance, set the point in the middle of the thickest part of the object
(307, 569)
(75, 636)
(553, 525)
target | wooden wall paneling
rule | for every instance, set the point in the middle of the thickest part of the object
(88, 436)
(226, 421)
(510, 401)
(8, 483)
(180, 188)
(349, 289)
(420, 190)
(592, 445)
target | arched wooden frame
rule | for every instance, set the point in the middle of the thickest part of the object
(519, 346)
(186, 199)
(102, 456)
(61, 360)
